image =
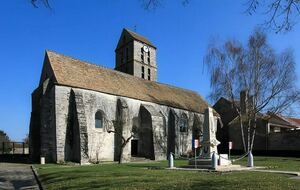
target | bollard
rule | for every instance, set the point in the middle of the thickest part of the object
(214, 161)
(42, 160)
(250, 160)
(171, 160)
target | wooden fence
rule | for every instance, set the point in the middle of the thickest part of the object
(14, 148)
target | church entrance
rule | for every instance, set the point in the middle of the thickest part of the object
(134, 147)
(145, 146)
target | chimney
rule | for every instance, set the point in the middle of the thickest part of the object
(250, 103)
(243, 101)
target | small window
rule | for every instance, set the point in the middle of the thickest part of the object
(98, 120)
(183, 126)
(148, 60)
(142, 54)
(142, 57)
(143, 72)
(149, 74)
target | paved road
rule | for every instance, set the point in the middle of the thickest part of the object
(16, 176)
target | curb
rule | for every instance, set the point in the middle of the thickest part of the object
(294, 173)
(36, 176)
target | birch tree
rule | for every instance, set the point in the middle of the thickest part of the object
(281, 15)
(268, 77)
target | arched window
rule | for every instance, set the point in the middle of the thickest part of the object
(183, 125)
(98, 120)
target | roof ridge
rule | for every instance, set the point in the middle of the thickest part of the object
(130, 31)
(139, 37)
(125, 74)
(284, 118)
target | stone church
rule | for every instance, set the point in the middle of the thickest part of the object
(82, 112)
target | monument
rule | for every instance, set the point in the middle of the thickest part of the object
(209, 144)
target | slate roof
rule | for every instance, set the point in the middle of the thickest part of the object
(75, 73)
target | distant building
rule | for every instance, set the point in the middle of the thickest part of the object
(273, 133)
(77, 103)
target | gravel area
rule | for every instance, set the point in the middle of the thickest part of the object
(17, 176)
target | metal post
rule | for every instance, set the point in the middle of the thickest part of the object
(250, 160)
(42, 160)
(195, 159)
(229, 148)
(13, 151)
(171, 160)
(214, 161)
(23, 147)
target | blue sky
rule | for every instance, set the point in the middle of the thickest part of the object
(89, 30)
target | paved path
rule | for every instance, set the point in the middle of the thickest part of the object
(294, 174)
(280, 172)
(17, 176)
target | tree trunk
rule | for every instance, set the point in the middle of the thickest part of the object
(121, 154)
(249, 135)
(242, 133)
(254, 131)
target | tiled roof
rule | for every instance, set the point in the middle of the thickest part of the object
(283, 120)
(139, 37)
(75, 73)
(295, 121)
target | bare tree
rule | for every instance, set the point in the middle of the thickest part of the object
(269, 79)
(125, 140)
(26, 139)
(36, 3)
(153, 4)
(146, 4)
(282, 15)
(5, 145)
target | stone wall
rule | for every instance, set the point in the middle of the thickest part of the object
(138, 62)
(101, 144)
(284, 141)
(34, 128)
(281, 141)
(47, 127)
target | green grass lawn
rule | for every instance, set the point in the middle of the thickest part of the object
(274, 163)
(154, 176)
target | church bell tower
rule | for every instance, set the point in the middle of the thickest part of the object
(136, 55)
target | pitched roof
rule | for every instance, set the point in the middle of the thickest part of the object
(278, 119)
(295, 121)
(72, 72)
(138, 37)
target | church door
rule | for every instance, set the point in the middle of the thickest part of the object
(134, 147)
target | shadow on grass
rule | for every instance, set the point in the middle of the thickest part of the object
(147, 167)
